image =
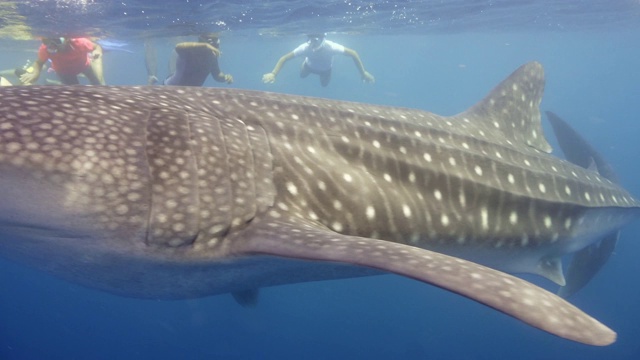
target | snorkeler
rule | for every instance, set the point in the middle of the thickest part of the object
(318, 60)
(69, 58)
(191, 62)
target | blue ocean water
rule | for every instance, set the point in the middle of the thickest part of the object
(440, 56)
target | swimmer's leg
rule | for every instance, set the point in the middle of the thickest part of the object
(325, 77)
(171, 80)
(94, 79)
(96, 67)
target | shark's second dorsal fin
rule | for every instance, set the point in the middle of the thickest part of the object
(512, 107)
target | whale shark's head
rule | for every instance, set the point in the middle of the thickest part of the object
(70, 180)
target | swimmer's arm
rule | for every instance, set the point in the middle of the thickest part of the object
(270, 78)
(218, 75)
(281, 62)
(356, 59)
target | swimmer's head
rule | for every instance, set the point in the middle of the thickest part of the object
(54, 44)
(315, 40)
(211, 39)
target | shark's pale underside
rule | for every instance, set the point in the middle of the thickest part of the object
(171, 192)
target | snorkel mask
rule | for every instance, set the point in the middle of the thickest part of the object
(315, 41)
(211, 39)
(53, 44)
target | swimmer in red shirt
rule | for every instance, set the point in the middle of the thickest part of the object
(69, 58)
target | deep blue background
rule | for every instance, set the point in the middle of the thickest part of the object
(592, 82)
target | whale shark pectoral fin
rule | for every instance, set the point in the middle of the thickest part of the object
(551, 268)
(298, 238)
(586, 263)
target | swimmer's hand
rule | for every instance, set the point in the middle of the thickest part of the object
(152, 80)
(269, 78)
(228, 78)
(29, 78)
(366, 77)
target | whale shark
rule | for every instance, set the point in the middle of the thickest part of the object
(176, 192)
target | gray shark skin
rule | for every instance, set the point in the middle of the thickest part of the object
(586, 263)
(169, 192)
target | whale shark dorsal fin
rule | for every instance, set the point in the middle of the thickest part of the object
(512, 108)
(577, 150)
(293, 237)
